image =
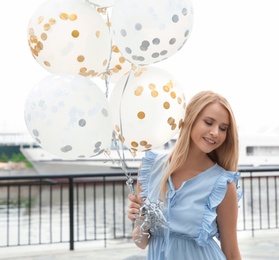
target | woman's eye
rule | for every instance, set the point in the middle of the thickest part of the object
(223, 129)
(208, 123)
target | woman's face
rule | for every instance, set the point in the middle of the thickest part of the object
(210, 128)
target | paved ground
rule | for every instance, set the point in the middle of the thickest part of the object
(263, 246)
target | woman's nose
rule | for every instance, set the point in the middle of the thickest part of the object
(214, 131)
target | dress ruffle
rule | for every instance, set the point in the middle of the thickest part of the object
(217, 195)
(144, 172)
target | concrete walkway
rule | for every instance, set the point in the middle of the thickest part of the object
(263, 246)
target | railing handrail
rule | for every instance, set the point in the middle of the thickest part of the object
(65, 175)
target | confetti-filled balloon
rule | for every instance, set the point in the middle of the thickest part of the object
(148, 108)
(69, 37)
(69, 116)
(149, 31)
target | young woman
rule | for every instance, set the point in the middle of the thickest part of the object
(197, 182)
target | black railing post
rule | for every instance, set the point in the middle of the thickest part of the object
(71, 212)
(252, 202)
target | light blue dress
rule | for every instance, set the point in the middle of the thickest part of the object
(190, 211)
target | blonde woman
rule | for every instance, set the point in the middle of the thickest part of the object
(198, 183)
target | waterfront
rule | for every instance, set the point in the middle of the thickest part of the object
(100, 222)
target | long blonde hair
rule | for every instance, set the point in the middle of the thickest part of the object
(226, 155)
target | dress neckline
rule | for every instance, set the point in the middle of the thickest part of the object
(192, 179)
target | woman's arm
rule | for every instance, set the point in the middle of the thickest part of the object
(227, 213)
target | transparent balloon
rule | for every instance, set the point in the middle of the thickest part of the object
(149, 31)
(69, 37)
(148, 108)
(69, 116)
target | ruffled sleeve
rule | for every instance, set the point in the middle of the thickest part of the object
(209, 225)
(145, 170)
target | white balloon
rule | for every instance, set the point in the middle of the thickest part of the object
(149, 31)
(148, 108)
(69, 37)
(69, 116)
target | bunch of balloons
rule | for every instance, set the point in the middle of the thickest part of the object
(78, 41)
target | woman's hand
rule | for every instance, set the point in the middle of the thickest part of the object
(133, 207)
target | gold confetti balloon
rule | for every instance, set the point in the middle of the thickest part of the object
(148, 108)
(69, 36)
(69, 116)
(149, 31)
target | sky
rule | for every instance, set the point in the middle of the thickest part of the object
(232, 50)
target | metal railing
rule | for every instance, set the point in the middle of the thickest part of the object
(259, 204)
(69, 208)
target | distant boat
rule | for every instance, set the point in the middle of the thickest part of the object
(259, 150)
(256, 150)
(115, 160)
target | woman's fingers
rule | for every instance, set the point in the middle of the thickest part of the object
(134, 198)
(133, 210)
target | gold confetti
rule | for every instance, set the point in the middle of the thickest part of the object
(173, 94)
(63, 16)
(166, 88)
(166, 105)
(121, 59)
(52, 21)
(75, 33)
(138, 91)
(141, 115)
(143, 143)
(154, 93)
(117, 128)
(72, 17)
(134, 144)
(152, 86)
(115, 49)
(121, 138)
(171, 121)
(80, 58)
(47, 63)
(40, 19)
(46, 27)
(44, 36)
(39, 46)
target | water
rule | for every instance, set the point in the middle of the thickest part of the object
(43, 214)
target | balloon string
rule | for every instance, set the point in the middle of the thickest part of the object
(129, 181)
(104, 10)
(110, 56)
(122, 165)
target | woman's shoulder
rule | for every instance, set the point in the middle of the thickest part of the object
(221, 184)
(229, 176)
(151, 167)
(153, 159)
